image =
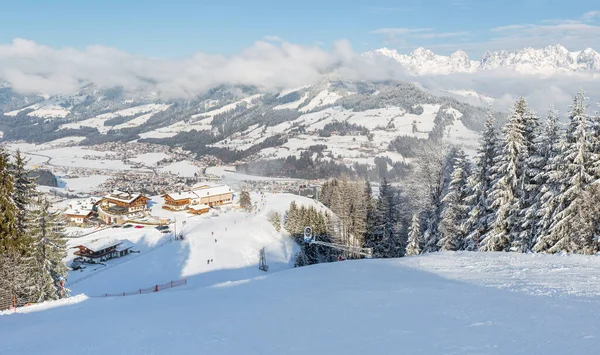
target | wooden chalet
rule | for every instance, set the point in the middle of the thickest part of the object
(199, 199)
(120, 205)
(178, 201)
(199, 209)
(103, 249)
(78, 216)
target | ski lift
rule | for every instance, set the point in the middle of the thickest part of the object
(308, 234)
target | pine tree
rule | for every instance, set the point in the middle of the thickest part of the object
(9, 228)
(507, 189)
(275, 219)
(576, 159)
(538, 216)
(48, 250)
(24, 190)
(455, 213)
(431, 178)
(245, 200)
(480, 185)
(369, 236)
(523, 231)
(385, 231)
(414, 237)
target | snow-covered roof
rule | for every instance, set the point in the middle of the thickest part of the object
(79, 211)
(101, 244)
(212, 191)
(199, 207)
(125, 244)
(123, 196)
(182, 195)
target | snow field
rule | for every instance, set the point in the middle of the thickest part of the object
(350, 307)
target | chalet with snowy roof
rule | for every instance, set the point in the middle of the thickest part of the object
(199, 209)
(120, 206)
(200, 199)
(79, 216)
(213, 195)
(178, 201)
(103, 249)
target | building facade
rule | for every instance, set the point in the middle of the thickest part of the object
(121, 206)
(102, 250)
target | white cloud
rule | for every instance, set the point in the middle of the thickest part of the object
(33, 68)
(272, 38)
(591, 15)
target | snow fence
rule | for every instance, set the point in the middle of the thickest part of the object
(155, 288)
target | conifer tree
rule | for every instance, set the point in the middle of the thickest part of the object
(9, 229)
(24, 190)
(48, 249)
(414, 237)
(538, 216)
(455, 212)
(507, 189)
(523, 230)
(576, 159)
(245, 200)
(480, 185)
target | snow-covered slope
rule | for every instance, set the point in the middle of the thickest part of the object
(234, 255)
(51, 107)
(350, 307)
(546, 61)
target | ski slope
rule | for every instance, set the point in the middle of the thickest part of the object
(234, 255)
(351, 307)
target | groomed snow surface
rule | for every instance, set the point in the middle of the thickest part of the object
(429, 304)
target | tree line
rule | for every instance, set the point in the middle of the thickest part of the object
(532, 186)
(32, 248)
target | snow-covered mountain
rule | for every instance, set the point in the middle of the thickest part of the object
(333, 121)
(545, 61)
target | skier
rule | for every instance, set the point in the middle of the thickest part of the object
(340, 258)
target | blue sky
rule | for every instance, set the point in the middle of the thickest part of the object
(179, 28)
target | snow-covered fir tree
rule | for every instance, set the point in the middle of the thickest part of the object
(430, 181)
(24, 190)
(385, 229)
(538, 216)
(577, 161)
(455, 213)
(523, 230)
(414, 237)
(480, 184)
(9, 212)
(48, 249)
(507, 189)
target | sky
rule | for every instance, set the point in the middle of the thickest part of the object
(179, 49)
(177, 29)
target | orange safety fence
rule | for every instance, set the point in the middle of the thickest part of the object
(155, 288)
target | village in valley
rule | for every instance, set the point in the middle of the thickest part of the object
(122, 201)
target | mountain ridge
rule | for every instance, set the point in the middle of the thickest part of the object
(545, 61)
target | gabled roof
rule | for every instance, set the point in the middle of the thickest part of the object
(79, 212)
(199, 207)
(181, 195)
(212, 191)
(101, 244)
(123, 196)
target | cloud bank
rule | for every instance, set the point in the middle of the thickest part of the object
(269, 65)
